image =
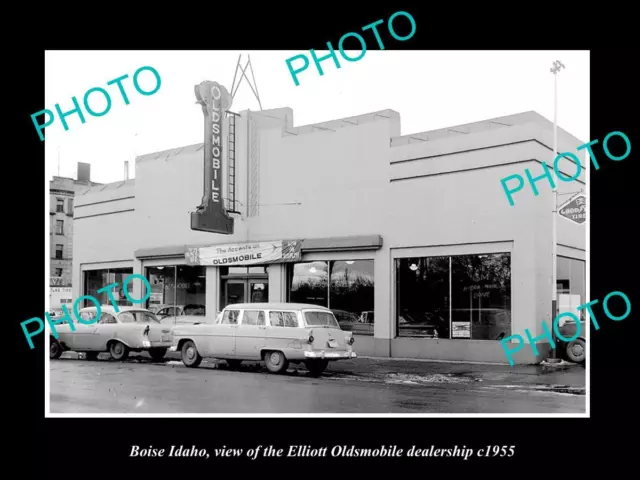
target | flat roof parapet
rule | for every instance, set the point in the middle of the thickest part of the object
(334, 125)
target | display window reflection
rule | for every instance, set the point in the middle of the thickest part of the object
(344, 286)
(481, 296)
(571, 284)
(95, 280)
(178, 292)
(454, 297)
(423, 297)
(310, 283)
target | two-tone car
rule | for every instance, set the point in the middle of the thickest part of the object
(130, 329)
(276, 333)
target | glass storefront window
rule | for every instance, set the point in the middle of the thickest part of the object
(423, 297)
(571, 280)
(95, 280)
(310, 283)
(351, 295)
(481, 296)
(454, 297)
(344, 286)
(176, 291)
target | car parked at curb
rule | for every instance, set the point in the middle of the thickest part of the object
(574, 350)
(170, 311)
(186, 320)
(276, 333)
(131, 329)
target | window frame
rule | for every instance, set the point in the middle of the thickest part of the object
(451, 256)
(239, 319)
(259, 310)
(278, 310)
(306, 325)
(100, 322)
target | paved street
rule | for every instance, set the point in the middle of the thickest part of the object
(354, 386)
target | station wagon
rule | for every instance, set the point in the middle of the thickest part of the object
(276, 333)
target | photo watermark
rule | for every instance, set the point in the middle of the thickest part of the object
(547, 334)
(67, 316)
(363, 46)
(574, 158)
(107, 108)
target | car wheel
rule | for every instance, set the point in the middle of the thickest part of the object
(190, 356)
(118, 351)
(233, 363)
(276, 362)
(576, 350)
(157, 354)
(55, 349)
(316, 367)
(92, 356)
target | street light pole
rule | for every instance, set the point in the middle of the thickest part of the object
(557, 65)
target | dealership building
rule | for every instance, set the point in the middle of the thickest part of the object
(409, 239)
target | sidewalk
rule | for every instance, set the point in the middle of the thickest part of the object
(417, 370)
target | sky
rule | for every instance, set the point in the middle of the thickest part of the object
(429, 89)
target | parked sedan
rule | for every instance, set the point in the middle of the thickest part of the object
(131, 329)
(276, 333)
(180, 310)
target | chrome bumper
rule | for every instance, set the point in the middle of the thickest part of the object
(148, 344)
(173, 348)
(322, 354)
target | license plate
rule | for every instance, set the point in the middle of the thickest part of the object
(166, 338)
(332, 355)
(333, 343)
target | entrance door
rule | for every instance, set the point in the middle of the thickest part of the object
(258, 291)
(235, 292)
(246, 290)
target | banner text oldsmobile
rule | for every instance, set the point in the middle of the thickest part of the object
(245, 254)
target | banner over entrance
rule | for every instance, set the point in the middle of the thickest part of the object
(255, 253)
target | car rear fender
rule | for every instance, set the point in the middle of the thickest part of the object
(121, 340)
(184, 340)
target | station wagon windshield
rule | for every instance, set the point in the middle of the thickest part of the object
(137, 317)
(320, 319)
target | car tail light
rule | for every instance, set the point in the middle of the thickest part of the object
(351, 341)
(311, 339)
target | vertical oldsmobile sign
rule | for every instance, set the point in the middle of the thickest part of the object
(210, 215)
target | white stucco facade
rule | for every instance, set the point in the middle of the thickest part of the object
(353, 189)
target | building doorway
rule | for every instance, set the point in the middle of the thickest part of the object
(246, 291)
(244, 285)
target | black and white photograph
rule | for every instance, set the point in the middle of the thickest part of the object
(344, 232)
(320, 240)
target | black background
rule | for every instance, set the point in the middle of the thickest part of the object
(546, 447)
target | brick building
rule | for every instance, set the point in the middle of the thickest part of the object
(61, 192)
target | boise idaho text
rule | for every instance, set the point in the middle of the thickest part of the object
(116, 81)
(574, 317)
(309, 451)
(67, 317)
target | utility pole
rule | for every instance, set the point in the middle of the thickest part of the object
(557, 66)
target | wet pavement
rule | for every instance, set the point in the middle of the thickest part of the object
(361, 385)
